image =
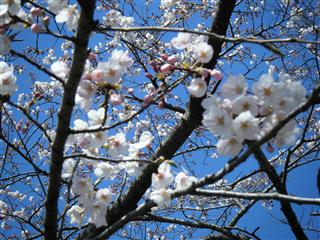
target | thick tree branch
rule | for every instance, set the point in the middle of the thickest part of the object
(64, 117)
(191, 120)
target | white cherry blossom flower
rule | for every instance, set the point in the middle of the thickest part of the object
(96, 117)
(98, 215)
(118, 146)
(60, 69)
(86, 89)
(76, 214)
(81, 185)
(121, 58)
(10, 6)
(104, 196)
(144, 140)
(198, 87)
(235, 86)
(106, 170)
(183, 181)
(264, 89)
(229, 147)
(70, 16)
(132, 168)
(245, 103)
(57, 5)
(111, 72)
(7, 79)
(162, 197)
(163, 178)
(218, 121)
(246, 126)
(203, 52)
(182, 41)
(97, 139)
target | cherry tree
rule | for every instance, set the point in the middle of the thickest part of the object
(159, 119)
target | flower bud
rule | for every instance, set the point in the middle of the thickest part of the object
(35, 12)
(216, 74)
(164, 56)
(149, 75)
(172, 59)
(165, 68)
(46, 20)
(36, 28)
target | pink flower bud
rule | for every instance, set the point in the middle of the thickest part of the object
(35, 12)
(154, 66)
(172, 59)
(130, 90)
(153, 63)
(18, 127)
(24, 129)
(116, 99)
(46, 20)
(164, 56)
(216, 74)
(165, 68)
(36, 28)
(97, 75)
(149, 75)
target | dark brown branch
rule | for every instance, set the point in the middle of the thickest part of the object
(64, 117)
(191, 120)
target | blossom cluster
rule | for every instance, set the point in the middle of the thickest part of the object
(240, 116)
(161, 193)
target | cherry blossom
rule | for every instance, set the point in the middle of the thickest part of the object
(162, 197)
(234, 87)
(198, 87)
(76, 214)
(96, 117)
(60, 69)
(122, 59)
(203, 52)
(182, 41)
(229, 147)
(106, 170)
(117, 145)
(10, 6)
(70, 16)
(57, 5)
(245, 103)
(7, 79)
(163, 178)
(245, 126)
(183, 181)
(104, 196)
